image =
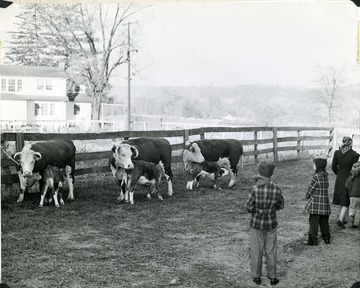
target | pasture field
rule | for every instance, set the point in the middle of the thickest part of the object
(195, 238)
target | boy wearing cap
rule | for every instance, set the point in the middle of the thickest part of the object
(318, 204)
(352, 185)
(265, 199)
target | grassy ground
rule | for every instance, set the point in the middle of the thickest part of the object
(196, 238)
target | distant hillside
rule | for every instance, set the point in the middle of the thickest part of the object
(266, 105)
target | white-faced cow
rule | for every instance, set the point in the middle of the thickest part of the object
(53, 180)
(213, 170)
(212, 150)
(34, 158)
(143, 173)
(151, 150)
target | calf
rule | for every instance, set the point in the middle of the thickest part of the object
(144, 173)
(214, 170)
(53, 179)
(213, 149)
(149, 149)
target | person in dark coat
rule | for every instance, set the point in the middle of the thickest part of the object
(353, 187)
(343, 160)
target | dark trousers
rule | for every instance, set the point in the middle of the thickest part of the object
(315, 221)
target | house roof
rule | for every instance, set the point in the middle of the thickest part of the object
(16, 97)
(32, 71)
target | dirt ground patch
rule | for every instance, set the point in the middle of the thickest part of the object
(195, 238)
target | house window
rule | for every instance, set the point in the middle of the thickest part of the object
(3, 85)
(40, 84)
(48, 84)
(37, 109)
(76, 109)
(19, 85)
(44, 109)
(11, 85)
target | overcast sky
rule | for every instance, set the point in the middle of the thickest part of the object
(244, 42)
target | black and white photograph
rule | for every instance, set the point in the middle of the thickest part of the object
(185, 144)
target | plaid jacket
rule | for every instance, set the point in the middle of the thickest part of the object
(264, 201)
(317, 194)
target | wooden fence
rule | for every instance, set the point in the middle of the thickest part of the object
(257, 141)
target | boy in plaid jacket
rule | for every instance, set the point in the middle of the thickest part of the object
(264, 200)
(318, 204)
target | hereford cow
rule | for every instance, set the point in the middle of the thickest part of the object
(144, 173)
(213, 170)
(212, 150)
(151, 150)
(35, 158)
(53, 180)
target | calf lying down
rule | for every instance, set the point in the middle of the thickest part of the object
(53, 179)
(213, 170)
(144, 173)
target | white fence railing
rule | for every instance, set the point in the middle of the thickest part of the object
(58, 126)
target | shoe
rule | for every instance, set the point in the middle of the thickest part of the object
(340, 224)
(257, 280)
(312, 243)
(274, 281)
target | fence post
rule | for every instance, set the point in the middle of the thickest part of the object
(202, 134)
(298, 143)
(276, 159)
(332, 143)
(255, 146)
(19, 142)
(186, 136)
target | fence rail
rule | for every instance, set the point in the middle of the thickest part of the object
(251, 142)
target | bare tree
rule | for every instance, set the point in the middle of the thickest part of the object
(93, 42)
(327, 91)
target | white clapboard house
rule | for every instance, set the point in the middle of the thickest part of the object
(36, 98)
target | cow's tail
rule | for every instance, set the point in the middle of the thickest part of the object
(161, 168)
(224, 163)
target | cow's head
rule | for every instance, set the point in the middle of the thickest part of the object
(26, 160)
(123, 154)
(193, 153)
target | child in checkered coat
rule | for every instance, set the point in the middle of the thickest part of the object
(318, 204)
(264, 200)
(352, 186)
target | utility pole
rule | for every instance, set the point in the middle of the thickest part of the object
(129, 78)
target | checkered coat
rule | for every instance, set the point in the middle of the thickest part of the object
(264, 201)
(317, 195)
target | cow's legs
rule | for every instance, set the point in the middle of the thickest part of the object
(127, 196)
(170, 186)
(43, 194)
(156, 190)
(189, 185)
(60, 194)
(70, 181)
(55, 193)
(23, 187)
(232, 179)
(131, 196)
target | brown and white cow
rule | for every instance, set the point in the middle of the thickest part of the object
(148, 149)
(53, 180)
(213, 170)
(213, 149)
(143, 173)
(34, 158)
